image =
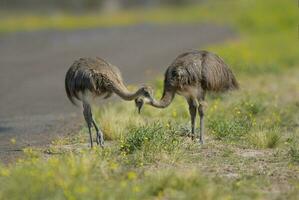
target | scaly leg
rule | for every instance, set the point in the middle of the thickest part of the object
(90, 136)
(192, 110)
(88, 118)
(201, 100)
(100, 137)
(201, 115)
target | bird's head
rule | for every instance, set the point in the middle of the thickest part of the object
(146, 97)
(147, 92)
(139, 102)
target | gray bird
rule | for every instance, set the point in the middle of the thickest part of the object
(96, 77)
(191, 75)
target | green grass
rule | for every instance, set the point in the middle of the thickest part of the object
(294, 149)
(66, 21)
(251, 149)
(268, 40)
(84, 176)
(265, 138)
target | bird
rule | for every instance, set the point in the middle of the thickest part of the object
(94, 77)
(192, 74)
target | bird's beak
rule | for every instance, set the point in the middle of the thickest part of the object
(139, 107)
(151, 100)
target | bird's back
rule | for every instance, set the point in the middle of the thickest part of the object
(184, 70)
(99, 66)
(200, 69)
(93, 74)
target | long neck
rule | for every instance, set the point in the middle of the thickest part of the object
(165, 100)
(124, 93)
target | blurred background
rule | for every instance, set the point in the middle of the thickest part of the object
(39, 40)
(88, 5)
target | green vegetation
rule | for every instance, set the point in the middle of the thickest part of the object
(65, 21)
(252, 135)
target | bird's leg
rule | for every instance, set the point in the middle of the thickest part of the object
(90, 136)
(97, 131)
(201, 115)
(192, 110)
(202, 104)
(88, 118)
(100, 137)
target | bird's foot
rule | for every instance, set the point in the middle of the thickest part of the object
(189, 135)
(100, 141)
(192, 136)
(200, 141)
(102, 144)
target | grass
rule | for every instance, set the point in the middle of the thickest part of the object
(252, 135)
(294, 153)
(67, 21)
(265, 138)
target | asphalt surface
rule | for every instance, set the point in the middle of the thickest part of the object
(33, 105)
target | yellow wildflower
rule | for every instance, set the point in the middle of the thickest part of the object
(4, 172)
(168, 125)
(13, 140)
(123, 184)
(113, 166)
(174, 113)
(136, 189)
(131, 175)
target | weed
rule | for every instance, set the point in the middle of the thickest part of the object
(294, 152)
(151, 143)
(230, 128)
(265, 138)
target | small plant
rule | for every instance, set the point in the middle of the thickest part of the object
(153, 136)
(183, 185)
(153, 143)
(265, 138)
(253, 107)
(116, 118)
(230, 128)
(294, 153)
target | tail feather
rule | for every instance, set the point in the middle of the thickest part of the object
(68, 85)
(78, 79)
(216, 75)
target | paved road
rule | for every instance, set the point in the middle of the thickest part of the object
(33, 104)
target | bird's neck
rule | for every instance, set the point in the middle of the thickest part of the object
(165, 100)
(123, 92)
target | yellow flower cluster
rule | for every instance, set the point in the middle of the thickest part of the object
(131, 175)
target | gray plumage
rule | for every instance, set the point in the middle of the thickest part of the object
(202, 69)
(191, 75)
(96, 77)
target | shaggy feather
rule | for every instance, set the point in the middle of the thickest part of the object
(95, 75)
(99, 78)
(202, 69)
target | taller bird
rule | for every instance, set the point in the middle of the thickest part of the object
(96, 77)
(191, 75)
